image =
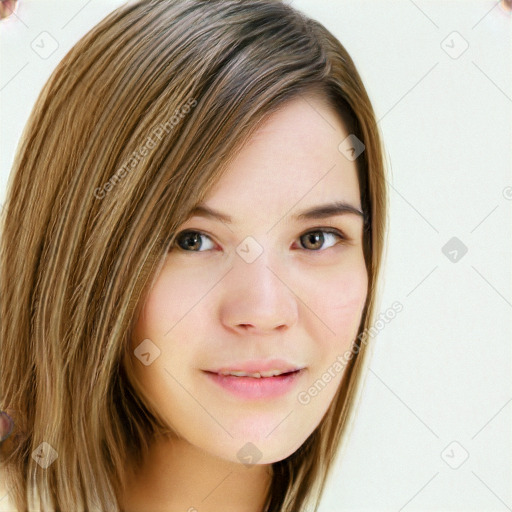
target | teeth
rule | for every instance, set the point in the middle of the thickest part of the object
(257, 375)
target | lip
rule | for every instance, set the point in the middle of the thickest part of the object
(253, 388)
(261, 365)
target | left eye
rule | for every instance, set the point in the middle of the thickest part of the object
(190, 240)
(316, 237)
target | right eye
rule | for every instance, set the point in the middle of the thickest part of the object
(190, 241)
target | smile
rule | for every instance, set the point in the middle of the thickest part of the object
(257, 385)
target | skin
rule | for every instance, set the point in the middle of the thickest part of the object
(300, 300)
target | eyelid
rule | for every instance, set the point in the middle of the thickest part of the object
(328, 229)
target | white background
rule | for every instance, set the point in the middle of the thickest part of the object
(439, 387)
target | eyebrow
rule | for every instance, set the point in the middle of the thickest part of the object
(316, 212)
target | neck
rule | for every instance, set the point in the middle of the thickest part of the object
(180, 477)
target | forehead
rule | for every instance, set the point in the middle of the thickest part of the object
(291, 159)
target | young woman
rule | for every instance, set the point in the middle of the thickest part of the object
(189, 260)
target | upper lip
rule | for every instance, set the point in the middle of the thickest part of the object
(262, 365)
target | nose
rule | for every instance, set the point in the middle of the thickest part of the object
(257, 299)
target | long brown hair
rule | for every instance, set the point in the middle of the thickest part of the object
(132, 129)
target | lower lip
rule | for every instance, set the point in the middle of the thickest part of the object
(252, 388)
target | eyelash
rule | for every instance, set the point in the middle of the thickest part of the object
(332, 231)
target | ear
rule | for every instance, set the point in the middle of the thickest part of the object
(9, 435)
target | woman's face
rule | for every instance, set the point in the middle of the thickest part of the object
(265, 286)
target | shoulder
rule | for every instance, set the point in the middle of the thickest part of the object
(6, 504)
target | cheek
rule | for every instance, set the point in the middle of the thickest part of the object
(170, 303)
(340, 300)
(348, 298)
(173, 318)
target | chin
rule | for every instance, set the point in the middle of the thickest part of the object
(258, 447)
